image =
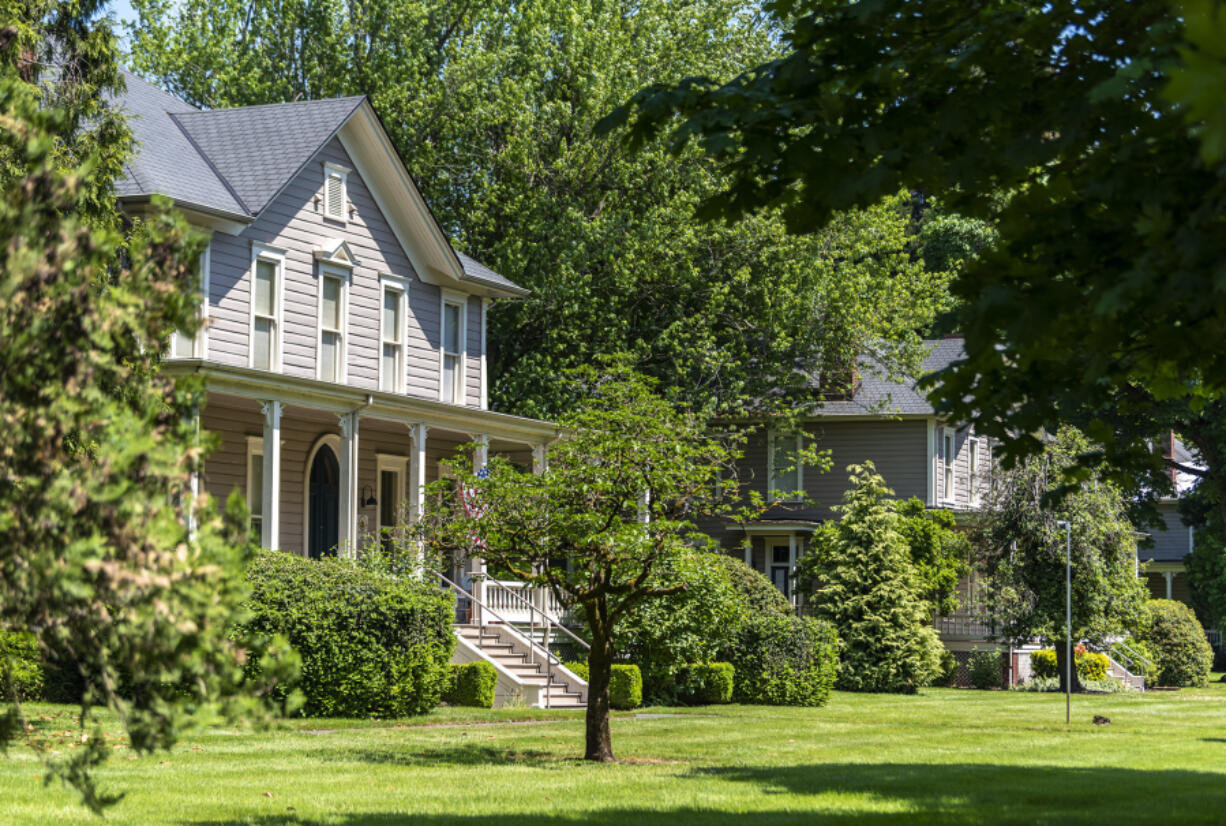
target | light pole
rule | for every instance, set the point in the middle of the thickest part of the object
(1068, 619)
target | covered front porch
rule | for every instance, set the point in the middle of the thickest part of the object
(772, 547)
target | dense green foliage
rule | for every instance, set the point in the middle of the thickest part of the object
(940, 554)
(21, 667)
(371, 645)
(1174, 635)
(784, 660)
(984, 669)
(947, 674)
(859, 576)
(1099, 303)
(1023, 551)
(472, 684)
(756, 593)
(1090, 665)
(578, 668)
(493, 107)
(708, 683)
(1043, 663)
(625, 686)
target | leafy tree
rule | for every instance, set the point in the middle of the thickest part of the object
(859, 577)
(96, 559)
(1022, 552)
(493, 106)
(1073, 128)
(615, 507)
(940, 553)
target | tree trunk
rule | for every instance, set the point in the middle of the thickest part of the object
(600, 661)
(1061, 660)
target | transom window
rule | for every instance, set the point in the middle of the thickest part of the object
(266, 279)
(786, 471)
(453, 351)
(391, 363)
(332, 326)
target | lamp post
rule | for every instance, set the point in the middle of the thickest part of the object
(1068, 619)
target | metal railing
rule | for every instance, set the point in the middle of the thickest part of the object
(549, 655)
(962, 624)
(533, 610)
(1214, 635)
(1131, 659)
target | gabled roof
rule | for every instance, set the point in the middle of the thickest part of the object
(877, 395)
(232, 163)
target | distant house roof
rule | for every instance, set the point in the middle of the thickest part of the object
(880, 396)
(234, 162)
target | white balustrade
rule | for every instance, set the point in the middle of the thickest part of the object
(501, 596)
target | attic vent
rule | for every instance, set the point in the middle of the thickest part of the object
(334, 192)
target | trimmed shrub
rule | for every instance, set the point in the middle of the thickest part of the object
(1043, 664)
(371, 644)
(784, 661)
(578, 668)
(1092, 666)
(1173, 633)
(985, 669)
(707, 684)
(25, 675)
(757, 594)
(626, 687)
(472, 684)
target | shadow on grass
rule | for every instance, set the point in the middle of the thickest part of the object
(460, 756)
(861, 794)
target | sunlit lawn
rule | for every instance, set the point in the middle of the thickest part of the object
(944, 756)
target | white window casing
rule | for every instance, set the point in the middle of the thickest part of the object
(452, 349)
(336, 192)
(255, 482)
(392, 335)
(267, 300)
(784, 468)
(195, 347)
(974, 459)
(333, 319)
(949, 457)
(392, 472)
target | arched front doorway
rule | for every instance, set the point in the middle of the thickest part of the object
(323, 516)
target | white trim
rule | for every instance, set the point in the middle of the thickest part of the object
(460, 301)
(485, 385)
(974, 470)
(395, 464)
(932, 462)
(270, 498)
(333, 441)
(342, 350)
(396, 285)
(255, 447)
(949, 465)
(348, 541)
(332, 170)
(275, 256)
(797, 495)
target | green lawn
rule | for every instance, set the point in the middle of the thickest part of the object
(944, 756)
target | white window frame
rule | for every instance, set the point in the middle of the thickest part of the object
(775, 494)
(395, 464)
(974, 465)
(200, 344)
(255, 447)
(342, 275)
(949, 465)
(275, 256)
(390, 284)
(460, 300)
(342, 172)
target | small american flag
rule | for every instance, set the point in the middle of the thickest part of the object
(474, 508)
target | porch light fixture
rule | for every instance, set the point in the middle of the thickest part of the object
(368, 497)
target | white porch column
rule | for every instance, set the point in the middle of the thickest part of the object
(748, 546)
(540, 459)
(481, 456)
(349, 485)
(194, 481)
(477, 569)
(1169, 576)
(417, 485)
(792, 568)
(270, 531)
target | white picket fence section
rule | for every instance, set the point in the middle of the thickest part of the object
(500, 596)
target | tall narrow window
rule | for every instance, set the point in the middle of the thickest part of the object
(972, 459)
(453, 352)
(266, 312)
(331, 327)
(182, 345)
(255, 484)
(336, 192)
(391, 365)
(786, 476)
(950, 464)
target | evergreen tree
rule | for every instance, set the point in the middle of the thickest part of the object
(860, 577)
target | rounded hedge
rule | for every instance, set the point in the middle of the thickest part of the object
(1091, 665)
(784, 660)
(1173, 633)
(757, 594)
(625, 687)
(985, 669)
(371, 644)
(706, 684)
(472, 684)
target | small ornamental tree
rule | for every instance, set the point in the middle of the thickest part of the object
(860, 578)
(939, 552)
(1022, 551)
(616, 504)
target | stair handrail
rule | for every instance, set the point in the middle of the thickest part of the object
(533, 609)
(1133, 656)
(549, 655)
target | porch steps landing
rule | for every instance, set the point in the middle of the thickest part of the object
(521, 667)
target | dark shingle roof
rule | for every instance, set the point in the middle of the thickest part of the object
(165, 162)
(259, 149)
(877, 395)
(474, 270)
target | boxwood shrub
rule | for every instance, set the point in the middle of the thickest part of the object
(984, 669)
(1172, 632)
(25, 674)
(472, 684)
(784, 660)
(371, 644)
(626, 687)
(1091, 665)
(578, 668)
(707, 683)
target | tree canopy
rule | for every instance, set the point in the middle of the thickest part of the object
(493, 106)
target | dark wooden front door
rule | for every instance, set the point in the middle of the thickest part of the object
(323, 522)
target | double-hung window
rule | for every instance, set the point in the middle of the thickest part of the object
(452, 385)
(255, 484)
(391, 334)
(786, 470)
(336, 192)
(950, 456)
(332, 313)
(267, 274)
(182, 345)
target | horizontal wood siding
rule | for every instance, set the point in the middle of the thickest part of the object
(898, 449)
(472, 377)
(1170, 543)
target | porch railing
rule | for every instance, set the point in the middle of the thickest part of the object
(962, 624)
(1214, 635)
(519, 602)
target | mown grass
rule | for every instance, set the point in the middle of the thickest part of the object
(945, 756)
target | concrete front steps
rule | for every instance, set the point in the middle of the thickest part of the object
(523, 678)
(1114, 669)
